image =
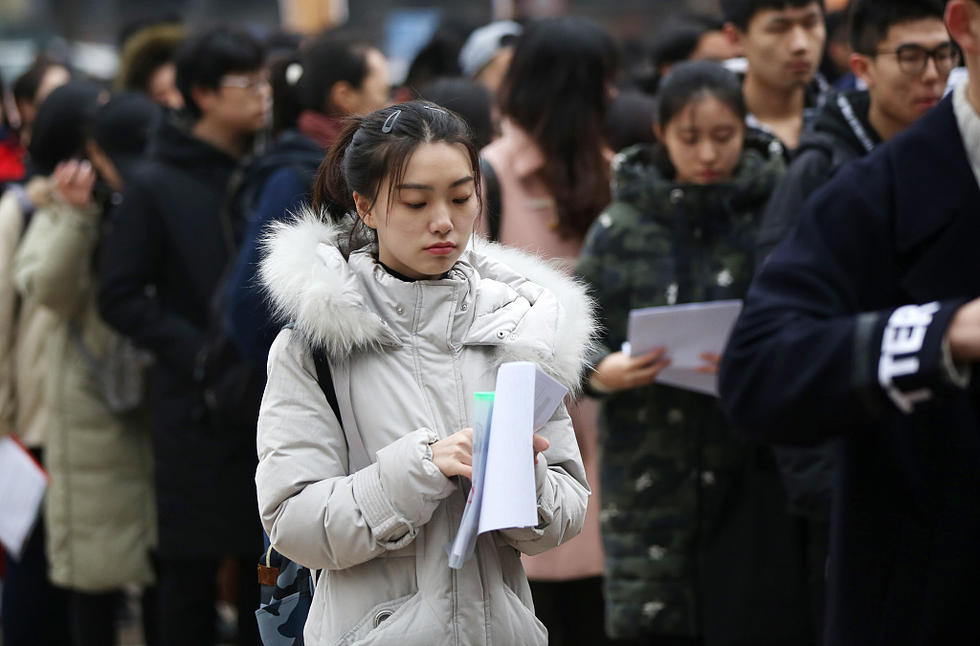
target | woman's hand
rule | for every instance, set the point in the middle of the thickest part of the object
(619, 371)
(711, 363)
(74, 181)
(539, 444)
(454, 454)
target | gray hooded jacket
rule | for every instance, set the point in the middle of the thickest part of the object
(412, 354)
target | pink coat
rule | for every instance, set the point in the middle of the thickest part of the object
(529, 221)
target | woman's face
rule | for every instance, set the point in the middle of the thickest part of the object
(425, 226)
(704, 141)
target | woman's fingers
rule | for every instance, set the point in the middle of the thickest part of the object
(646, 376)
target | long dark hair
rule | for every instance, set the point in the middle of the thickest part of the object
(557, 89)
(379, 145)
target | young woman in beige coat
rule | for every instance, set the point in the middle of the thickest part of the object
(413, 318)
(99, 510)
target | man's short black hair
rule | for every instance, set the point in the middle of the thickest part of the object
(871, 19)
(202, 60)
(741, 12)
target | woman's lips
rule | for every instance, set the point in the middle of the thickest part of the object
(441, 248)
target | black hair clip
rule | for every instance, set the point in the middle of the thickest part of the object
(390, 122)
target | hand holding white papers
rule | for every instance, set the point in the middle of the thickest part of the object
(503, 491)
(688, 332)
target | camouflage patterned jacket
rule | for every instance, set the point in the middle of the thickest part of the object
(670, 465)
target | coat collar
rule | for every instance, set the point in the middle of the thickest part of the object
(526, 309)
(932, 148)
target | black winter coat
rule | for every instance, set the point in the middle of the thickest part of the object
(162, 260)
(842, 335)
(839, 133)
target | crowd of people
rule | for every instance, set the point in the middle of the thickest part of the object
(248, 289)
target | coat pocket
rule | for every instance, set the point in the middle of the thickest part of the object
(381, 616)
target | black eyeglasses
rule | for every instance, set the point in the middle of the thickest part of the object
(913, 59)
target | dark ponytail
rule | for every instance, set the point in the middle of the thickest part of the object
(379, 145)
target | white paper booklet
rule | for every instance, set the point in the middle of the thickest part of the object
(686, 331)
(503, 491)
(22, 485)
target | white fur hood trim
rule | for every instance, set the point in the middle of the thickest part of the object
(321, 297)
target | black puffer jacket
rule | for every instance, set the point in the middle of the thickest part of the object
(162, 260)
(840, 133)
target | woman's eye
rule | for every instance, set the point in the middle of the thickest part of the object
(462, 200)
(415, 205)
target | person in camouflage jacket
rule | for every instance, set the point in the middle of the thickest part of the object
(698, 545)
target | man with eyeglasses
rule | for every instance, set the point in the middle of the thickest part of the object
(904, 56)
(865, 326)
(162, 261)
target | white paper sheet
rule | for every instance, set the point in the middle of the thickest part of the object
(22, 485)
(686, 331)
(524, 401)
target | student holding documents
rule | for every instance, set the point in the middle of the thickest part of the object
(378, 279)
(698, 547)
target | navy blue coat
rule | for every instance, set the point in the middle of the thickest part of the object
(828, 345)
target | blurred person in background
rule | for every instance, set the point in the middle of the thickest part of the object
(836, 66)
(783, 43)
(170, 241)
(698, 544)
(34, 612)
(891, 39)
(551, 166)
(11, 151)
(437, 59)
(32, 87)
(487, 52)
(630, 120)
(335, 77)
(146, 62)
(341, 76)
(99, 510)
(469, 99)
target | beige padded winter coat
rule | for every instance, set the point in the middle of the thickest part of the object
(100, 514)
(414, 352)
(24, 329)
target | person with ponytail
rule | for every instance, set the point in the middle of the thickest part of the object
(381, 280)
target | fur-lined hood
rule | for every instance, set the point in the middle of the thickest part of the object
(524, 307)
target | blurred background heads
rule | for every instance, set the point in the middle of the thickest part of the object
(487, 52)
(343, 76)
(147, 62)
(63, 124)
(31, 89)
(221, 75)
(467, 98)
(120, 134)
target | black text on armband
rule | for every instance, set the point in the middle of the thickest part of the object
(902, 341)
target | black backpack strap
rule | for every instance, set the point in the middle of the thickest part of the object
(325, 378)
(494, 206)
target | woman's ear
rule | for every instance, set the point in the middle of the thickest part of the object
(658, 132)
(363, 206)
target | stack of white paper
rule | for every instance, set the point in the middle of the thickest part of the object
(686, 331)
(22, 485)
(503, 490)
